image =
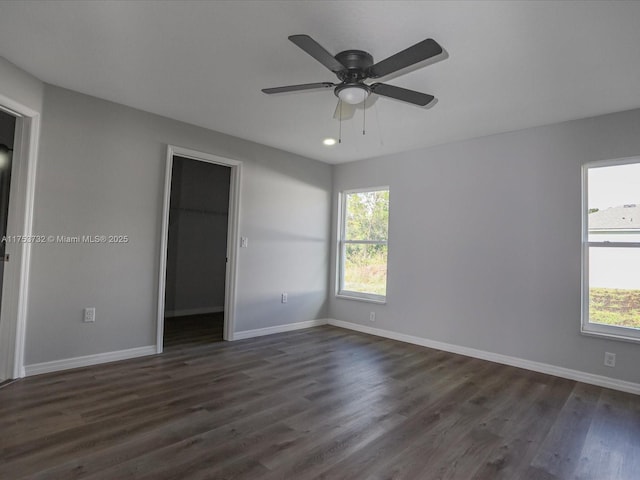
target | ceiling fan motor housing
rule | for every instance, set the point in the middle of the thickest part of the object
(357, 62)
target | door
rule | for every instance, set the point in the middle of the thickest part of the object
(19, 127)
(7, 135)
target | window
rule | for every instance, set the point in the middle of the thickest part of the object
(362, 248)
(611, 249)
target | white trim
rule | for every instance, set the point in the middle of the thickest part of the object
(339, 272)
(379, 188)
(584, 249)
(611, 162)
(259, 332)
(596, 333)
(365, 242)
(16, 291)
(232, 238)
(164, 241)
(8, 110)
(546, 368)
(345, 296)
(85, 361)
(185, 312)
(613, 244)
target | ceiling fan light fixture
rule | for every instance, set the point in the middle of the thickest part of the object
(353, 94)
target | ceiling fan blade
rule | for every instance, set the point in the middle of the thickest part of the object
(295, 88)
(417, 53)
(347, 111)
(317, 51)
(403, 94)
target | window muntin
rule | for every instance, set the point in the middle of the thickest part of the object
(362, 248)
(611, 249)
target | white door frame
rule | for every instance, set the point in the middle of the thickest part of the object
(232, 237)
(15, 288)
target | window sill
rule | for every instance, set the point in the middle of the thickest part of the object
(361, 299)
(610, 335)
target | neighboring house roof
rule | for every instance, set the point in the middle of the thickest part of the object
(623, 217)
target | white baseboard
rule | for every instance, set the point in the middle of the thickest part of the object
(576, 375)
(192, 311)
(75, 362)
(258, 332)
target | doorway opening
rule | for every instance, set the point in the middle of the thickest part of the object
(197, 278)
(196, 252)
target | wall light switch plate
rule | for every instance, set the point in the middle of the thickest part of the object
(244, 242)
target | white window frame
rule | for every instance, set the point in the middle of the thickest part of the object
(342, 243)
(588, 328)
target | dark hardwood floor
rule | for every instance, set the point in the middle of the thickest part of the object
(193, 330)
(317, 403)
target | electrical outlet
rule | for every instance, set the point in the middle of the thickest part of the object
(372, 316)
(244, 242)
(284, 297)
(89, 315)
(609, 359)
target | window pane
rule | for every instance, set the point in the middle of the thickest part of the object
(614, 203)
(614, 286)
(365, 269)
(367, 215)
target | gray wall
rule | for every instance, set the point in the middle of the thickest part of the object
(197, 244)
(485, 242)
(101, 170)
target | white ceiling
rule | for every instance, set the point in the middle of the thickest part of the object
(511, 65)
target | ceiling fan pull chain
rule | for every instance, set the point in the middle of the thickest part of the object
(364, 115)
(340, 127)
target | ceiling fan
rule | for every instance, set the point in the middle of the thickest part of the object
(353, 67)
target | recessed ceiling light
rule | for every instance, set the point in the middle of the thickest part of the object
(329, 142)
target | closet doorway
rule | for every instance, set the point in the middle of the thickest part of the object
(200, 223)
